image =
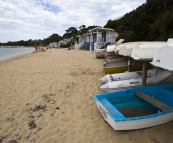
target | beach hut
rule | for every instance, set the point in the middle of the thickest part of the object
(80, 41)
(99, 37)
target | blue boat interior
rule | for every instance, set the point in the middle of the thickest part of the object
(132, 106)
(125, 105)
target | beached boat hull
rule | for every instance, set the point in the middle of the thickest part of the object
(101, 50)
(100, 55)
(110, 54)
(128, 75)
(131, 83)
(110, 48)
(147, 50)
(120, 67)
(111, 107)
(114, 59)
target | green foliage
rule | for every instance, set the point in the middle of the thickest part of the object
(30, 42)
(111, 24)
(82, 30)
(70, 32)
(53, 38)
(151, 21)
(73, 32)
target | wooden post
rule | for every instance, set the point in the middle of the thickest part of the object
(109, 36)
(144, 73)
(129, 65)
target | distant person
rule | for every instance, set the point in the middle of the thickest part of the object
(36, 49)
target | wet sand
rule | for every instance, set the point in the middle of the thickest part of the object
(47, 98)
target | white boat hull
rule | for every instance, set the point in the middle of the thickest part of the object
(110, 48)
(124, 84)
(100, 50)
(128, 75)
(134, 124)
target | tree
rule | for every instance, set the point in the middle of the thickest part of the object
(70, 32)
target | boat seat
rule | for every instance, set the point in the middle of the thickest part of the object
(153, 101)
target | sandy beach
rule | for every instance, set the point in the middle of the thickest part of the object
(47, 98)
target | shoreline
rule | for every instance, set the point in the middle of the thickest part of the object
(17, 56)
(47, 98)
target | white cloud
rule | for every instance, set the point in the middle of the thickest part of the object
(38, 19)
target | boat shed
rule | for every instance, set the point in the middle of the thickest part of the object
(99, 37)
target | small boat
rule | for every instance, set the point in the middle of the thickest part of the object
(100, 55)
(137, 108)
(122, 66)
(101, 50)
(125, 49)
(114, 59)
(158, 77)
(146, 51)
(110, 48)
(128, 75)
(110, 54)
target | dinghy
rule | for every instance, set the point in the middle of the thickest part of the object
(121, 66)
(146, 51)
(125, 49)
(110, 48)
(101, 50)
(128, 75)
(109, 54)
(137, 108)
(100, 55)
(158, 77)
(114, 59)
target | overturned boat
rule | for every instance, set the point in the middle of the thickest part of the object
(146, 50)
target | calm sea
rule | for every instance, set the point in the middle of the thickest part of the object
(8, 53)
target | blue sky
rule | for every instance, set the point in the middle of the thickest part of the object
(38, 19)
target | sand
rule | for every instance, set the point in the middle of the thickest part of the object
(47, 98)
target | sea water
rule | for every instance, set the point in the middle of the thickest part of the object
(8, 53)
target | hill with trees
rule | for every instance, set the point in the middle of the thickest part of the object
(151, 21)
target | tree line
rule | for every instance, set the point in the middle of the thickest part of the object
(34, 43)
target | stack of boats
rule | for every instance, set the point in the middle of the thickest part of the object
(127, 105)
